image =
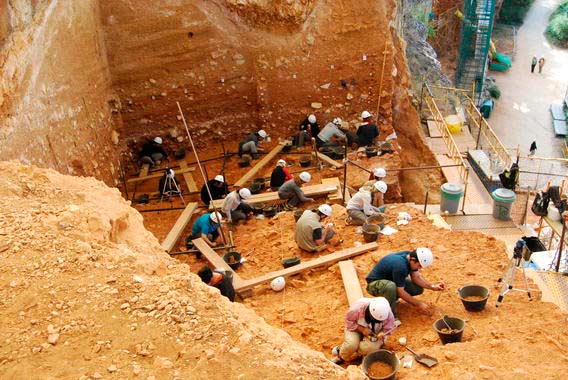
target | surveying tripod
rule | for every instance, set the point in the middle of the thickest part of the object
(170, 187)
(508, 279)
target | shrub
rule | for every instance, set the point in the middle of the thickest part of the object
(557, 29)
(514, 11)
(494, 91)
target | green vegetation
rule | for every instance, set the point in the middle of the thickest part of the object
(514, 11)
(494, 91)
(421, 13)
(557, 30)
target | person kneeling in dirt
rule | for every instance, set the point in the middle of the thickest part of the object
(218, 279)
(251, 144)
(359, 208)
(234, 206)
(207, 228)
(217, 187)
(153, 153)
(388, 278)
(279, 175)
(368, 322)
(310, 235)
(292, 192)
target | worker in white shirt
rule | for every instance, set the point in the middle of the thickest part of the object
(360, 207)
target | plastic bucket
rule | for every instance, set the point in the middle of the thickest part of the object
(455, 335)
(269, 211)
(384, 356)
(298, 214)
(260, 181)
(371, 232)
(305, 161)
(454, 123)
(503, 200)
(451, 195)
(480, 292)
(233, 258)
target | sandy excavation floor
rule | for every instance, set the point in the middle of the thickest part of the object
(504, 343)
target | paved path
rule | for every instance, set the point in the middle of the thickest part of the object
(522, 114)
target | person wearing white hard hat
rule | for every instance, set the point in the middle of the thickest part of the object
(251, 143)
(310, 235)
(279, 175)
(218, 188)
(397, 275)
(360, 208)
(292, 192)
(235, 208)
(308, 128)
(153, 152)
(330, 133)
(368, 131)
(207, 228)
(368, 322)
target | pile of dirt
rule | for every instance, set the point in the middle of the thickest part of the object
(87, 293)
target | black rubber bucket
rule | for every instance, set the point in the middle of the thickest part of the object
(269, 211)
(384, 356)
(336, 153)
(259, 181)
(298, 214)
(255, 188)
(233, 258)
(287, 263)
(371, 152)
(474, 291)
(305, 161)
(457, 326)
(371, 232)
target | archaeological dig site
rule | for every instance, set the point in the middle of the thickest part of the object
(283, 189)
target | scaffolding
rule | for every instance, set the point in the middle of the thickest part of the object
(477, 25)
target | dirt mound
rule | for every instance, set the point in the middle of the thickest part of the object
(87, 293)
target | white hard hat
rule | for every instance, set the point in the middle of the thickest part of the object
(337, 121)
(158, 140)
(245, 193)
(379, 172)
(325, 209)
(281, 163)
(305, 176)
(381, 186)
(278, 284)
(425, 257)
(262, 133)
(379, 308)
(312, 118)
(216, 217)
(365, 114)
(219, 178)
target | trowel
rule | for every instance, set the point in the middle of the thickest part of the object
(424, 359)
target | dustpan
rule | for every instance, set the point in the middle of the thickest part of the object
(424, 359)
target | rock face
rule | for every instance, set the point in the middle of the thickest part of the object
(56, 101)
(83, 283)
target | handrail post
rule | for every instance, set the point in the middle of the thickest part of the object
(465, 189)
(426, 200)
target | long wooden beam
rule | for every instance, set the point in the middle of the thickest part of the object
(260, 164)
(350, 281)
(217, 261)
(309, 191)
(320, 261)
(157, 175)
(189, 181)
(177, 229)
(328, 160)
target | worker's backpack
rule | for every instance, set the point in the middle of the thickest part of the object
(540, 204)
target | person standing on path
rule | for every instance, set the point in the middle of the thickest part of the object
(533, 63)
(540, 64)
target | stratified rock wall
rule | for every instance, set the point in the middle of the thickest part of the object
(55, 94)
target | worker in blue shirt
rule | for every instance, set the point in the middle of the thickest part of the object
(207, 228)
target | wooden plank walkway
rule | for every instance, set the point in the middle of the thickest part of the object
(350, 281)
(216, 261)
(310, 191)
(174, 234)
(320, 261)
(157, 175)
(433, 129)
(260, 164)
(328, 160)
(189, 181)
(338, 195)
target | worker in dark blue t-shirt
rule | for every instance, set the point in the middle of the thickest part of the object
(389, 278)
